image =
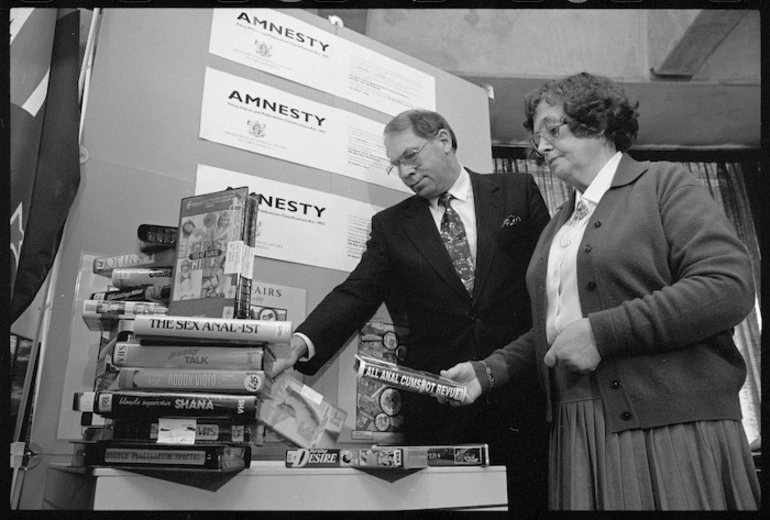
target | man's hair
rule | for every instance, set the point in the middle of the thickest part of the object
(424, 123)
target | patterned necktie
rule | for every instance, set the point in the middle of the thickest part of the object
(581, 210)
(456, 242)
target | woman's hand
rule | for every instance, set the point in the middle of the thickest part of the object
(463, 374)
(574, 349)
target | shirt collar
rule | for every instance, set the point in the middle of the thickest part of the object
(601, 183)
(460, 190)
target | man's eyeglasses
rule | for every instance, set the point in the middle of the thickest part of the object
(549, 131)
(410, 157)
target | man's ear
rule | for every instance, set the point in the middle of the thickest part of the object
(446, 139)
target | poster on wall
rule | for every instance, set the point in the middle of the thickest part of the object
(251, 116)
(298, 224)
(285, 46)
(273, 302)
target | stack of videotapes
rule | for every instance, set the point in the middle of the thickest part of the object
(152, 430)
(200, 382)
(189, 372)
(176, 399)
(137, 283)
(178, 391)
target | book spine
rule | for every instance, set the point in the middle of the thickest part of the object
(382, 456)
(125, 404)
(241, 278)
(235, 381)
(120, 309)
(89, 419)
(219, 329)
(105, 265)
(251, 219)
(458, 456)
(255, 221)
(154, 293)
(242, 306)
(188, 356)
(127, 454)
(124, 277)
(211, 430)
(390, 458)
(242, 301)
(98, 313)
(443, 455)
(410, 380)
(97, 433)
(125, 329)
(153, 237)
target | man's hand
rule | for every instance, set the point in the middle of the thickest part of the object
(463, 374)
(287, 357)
(574, 349)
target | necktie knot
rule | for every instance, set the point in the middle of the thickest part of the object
(445, 198)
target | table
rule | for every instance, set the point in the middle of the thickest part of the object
(269, 485)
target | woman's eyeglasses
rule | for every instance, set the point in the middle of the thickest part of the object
(409, 157)
(549, 131)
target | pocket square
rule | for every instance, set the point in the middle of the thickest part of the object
(511, 220)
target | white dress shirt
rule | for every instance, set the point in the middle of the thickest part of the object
(561, 278)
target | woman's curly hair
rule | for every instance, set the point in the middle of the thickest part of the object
(593, 105)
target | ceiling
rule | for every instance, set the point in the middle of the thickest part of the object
(695, 73)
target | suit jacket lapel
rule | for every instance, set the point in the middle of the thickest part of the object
(489, 218)
(421, 229)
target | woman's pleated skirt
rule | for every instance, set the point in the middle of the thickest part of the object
(705, 465)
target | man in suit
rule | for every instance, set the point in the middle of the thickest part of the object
(407, 266)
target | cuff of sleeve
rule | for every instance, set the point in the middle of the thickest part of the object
(484, 375)
(606, 342)
(310, 347)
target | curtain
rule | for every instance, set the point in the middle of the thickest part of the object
(730, 178)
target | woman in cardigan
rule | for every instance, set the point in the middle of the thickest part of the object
(635, 286)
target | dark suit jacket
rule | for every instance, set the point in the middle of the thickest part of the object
(407, 266)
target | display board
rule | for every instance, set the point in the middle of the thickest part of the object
(141, 153)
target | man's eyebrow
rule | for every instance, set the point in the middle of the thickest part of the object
(408, 150)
